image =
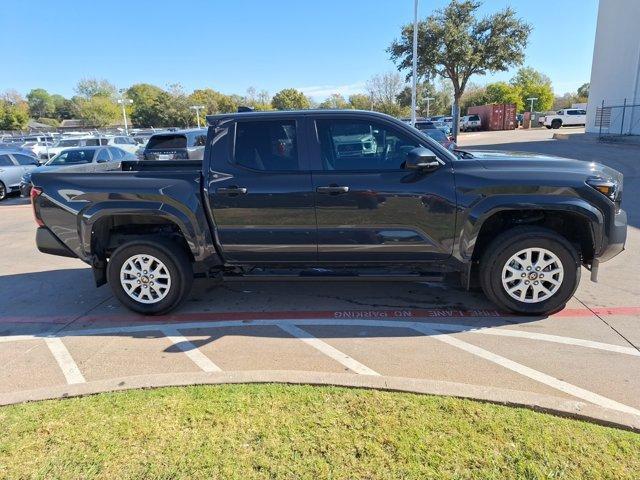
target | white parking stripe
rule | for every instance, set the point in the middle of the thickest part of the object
(65, 361)
(190, 350)
(327, 349)
(504, 332)
(527, 371)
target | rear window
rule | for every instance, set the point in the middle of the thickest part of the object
(166, 142)
(474, 118)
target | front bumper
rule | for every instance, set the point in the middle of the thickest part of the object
(47, 242)
(616, 237)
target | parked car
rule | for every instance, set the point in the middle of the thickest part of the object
(123, 142)
(444, 127)
(71, 142)
(440, 137)
(470, 123)
(80, 160)
(177, 145)
(39, 148)
(569, 117)
(519, 225)
(14, 164)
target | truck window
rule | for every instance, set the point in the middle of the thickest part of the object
(268, 146)
(362, 145)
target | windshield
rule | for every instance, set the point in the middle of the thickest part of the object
(73, 157)
(437, 135)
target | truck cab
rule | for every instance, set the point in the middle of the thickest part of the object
(568, 117)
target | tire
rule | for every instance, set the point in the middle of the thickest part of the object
(548, 127)
(555, 124)
(498, 258)
(164, 291)
(3, 191)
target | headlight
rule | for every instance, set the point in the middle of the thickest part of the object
(607, 188)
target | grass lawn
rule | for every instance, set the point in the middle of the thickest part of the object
(291, 432)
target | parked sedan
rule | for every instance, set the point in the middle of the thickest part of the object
(80, 159)
(14, 163)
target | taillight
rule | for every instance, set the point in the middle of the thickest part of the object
(35, 193)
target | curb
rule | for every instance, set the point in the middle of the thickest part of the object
(515, 398)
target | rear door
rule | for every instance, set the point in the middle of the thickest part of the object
(259, 191)
(368, 207)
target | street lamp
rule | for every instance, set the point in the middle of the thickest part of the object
(125, 101)
(532, 99)
(428, 99)
(414, 75)
(197, 108)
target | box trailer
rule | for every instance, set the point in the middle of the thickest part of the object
(495, 116)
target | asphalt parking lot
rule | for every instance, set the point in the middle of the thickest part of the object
(60, 336)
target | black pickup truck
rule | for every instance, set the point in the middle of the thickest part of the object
(339, 195)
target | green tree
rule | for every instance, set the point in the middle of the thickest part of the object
(94, 87)
(360, 101)
(534, 84)
(13, 116)
(453, 43)
(40, 102)
(63, 108)
(290, 99)
(146, 106)
(257, 100)
(583, 91)
(98, 111)
(502, 92)
(473, 95)
(335, 101)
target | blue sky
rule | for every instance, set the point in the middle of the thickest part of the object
(319, 47)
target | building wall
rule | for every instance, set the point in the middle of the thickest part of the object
(615, 71)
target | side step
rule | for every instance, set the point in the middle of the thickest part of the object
(321, 274)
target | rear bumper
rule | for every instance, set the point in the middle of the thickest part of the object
(47, 242)
(616, 237)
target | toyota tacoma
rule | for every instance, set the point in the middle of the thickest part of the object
(276, 198)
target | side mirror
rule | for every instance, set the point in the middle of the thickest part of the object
(421, 159)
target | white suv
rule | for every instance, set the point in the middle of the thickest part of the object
(470, 123)
(568, 117)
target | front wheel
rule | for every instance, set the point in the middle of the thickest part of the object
(151, 277)
(3, 191)
(530, 270)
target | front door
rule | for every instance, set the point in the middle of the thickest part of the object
(369, 208)
(260, 192)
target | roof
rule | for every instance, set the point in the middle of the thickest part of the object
(279, 113)
(22, 151)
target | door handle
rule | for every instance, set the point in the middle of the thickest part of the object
(233, 190)
(332, 190)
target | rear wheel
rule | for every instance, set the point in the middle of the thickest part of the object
(3, 191)
(151, 277)
(530, 270)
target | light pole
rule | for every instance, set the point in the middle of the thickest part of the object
(532, 99)
(197, 108)
(428, 99)
(125, 101)
(414, 75)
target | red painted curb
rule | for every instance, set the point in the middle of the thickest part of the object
(311, 315)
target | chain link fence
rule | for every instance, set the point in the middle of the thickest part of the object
(617, 120)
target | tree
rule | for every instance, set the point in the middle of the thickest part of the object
(98, 111)
(145, 109)
(13, 116)
(92, 87)
(40, 103)
(454, 44)
(63, 108)
(290, 99)
(473, 95)
(335, 101)
(385, 88)
(360, 101)
(583, 91)
(502, 92)
(534, 84)
(257, 100)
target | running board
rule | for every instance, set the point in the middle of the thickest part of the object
(331, 276)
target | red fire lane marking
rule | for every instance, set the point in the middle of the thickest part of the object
(311, 315)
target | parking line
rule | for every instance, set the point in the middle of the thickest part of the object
(527, 371)
(65, 361)
(327, 349)
(190, 350)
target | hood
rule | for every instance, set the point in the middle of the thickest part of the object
(535, 162)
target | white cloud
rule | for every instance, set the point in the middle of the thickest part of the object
(321, 92)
